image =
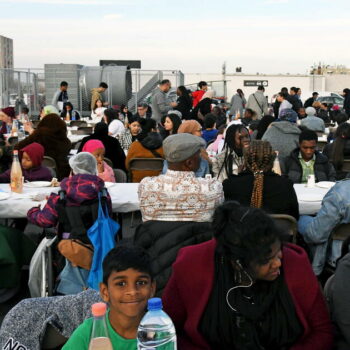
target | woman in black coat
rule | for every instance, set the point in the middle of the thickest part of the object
(184, 102)
(113, 150)
(258, 186)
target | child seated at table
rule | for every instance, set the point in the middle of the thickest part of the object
(127, 285)
(97, 149)
(31, 159)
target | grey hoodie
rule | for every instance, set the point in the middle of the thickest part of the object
(24, 326)
(283, 137)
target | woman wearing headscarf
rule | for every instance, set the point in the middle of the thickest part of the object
(248, 289)
(258, 186)
(194, 128)
(97, 149)
(51, 133)
(149, 144)
(113, 150)
(230, 160)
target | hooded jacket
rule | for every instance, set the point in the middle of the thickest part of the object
(188, 290)
(148, 147)
(79, 188)
(38, 172)
(323, 169)
(283, 137)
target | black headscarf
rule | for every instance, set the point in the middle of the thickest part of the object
(265, 317)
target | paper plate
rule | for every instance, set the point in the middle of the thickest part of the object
(4, 195)
(325, 184)
(35, 184)
(109, 184)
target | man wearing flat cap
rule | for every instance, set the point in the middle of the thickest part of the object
(178, 195)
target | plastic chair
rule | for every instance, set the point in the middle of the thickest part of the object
(287, 224)
(51, 164)
(78, 123)
(120, 176)
(155, 164)
(108, 161)
(84, 130)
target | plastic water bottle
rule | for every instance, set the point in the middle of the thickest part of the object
(156, 330)
(99, 336)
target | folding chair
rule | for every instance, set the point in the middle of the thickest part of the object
(120, 176)
(50, 163)
(84, 130)
(155, 164)
(287, 224)
(78, 123)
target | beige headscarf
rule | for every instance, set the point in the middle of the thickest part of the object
(189, 127)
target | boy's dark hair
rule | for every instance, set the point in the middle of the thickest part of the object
(64, 83)
(202, 83)
(283, 94)
(308, 135)
(293, 88)
(314, 94)
(261, 88)
(165, 81)
(123, 258)
(284, 89)
(25, 110)
(103, 85)
(209, 121)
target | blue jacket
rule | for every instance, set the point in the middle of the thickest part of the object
(316, 230)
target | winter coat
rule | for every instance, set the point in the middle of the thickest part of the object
(143, 149)
(40, 173)
(295, 101)
(163, 239)
(79, 189)
(291, 167)
(237, 104)
(313, 123)
(278, 193)
(184, 105)
(346, 105)
(258, 103)
(283, 137)
(160, 105)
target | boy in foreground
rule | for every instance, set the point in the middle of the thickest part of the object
(127, 285)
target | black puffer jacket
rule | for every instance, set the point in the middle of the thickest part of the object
(163, 239)
(291, 167)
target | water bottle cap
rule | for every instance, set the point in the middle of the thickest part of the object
(155, 304)
(98, 309)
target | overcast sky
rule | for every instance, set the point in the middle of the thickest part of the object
(266, 36)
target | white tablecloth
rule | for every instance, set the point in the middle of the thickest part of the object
(124, 199)
(76, 138)
(309, 198)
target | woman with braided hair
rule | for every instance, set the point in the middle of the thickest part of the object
(259, 187)
(230, 160)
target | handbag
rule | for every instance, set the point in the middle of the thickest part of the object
(77, 252)
(102, 235)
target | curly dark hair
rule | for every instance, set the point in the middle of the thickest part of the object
(244, 234)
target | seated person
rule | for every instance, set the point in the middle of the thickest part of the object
(323, 112)
(311, 121)
(305, 161)
(148, 145)
(31, 159)
(178, 195)
(129, 135)
(6, 116)
(248, 117)
(97, 149)
(339, 302)
(246, 289)
(316, 231)
(210, 132)
(258, 186)
(69, 113)
(115, 126)
(113, 150)
(169, 125)
(126, 275)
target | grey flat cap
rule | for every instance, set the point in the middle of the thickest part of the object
(180, 147)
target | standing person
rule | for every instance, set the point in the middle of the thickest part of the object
(346, 94)
(60, 96)
(198, 94)
(277, 103)
(96, 94)
(184, 102)
(238, 102)
(69, 113)
(294, 98)
(258, 103)
(161, 104)
(309, 102)
(284, 104)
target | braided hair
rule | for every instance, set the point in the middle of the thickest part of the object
(258, 159)
(231, 148)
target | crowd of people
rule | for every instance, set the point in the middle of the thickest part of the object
(230, 278)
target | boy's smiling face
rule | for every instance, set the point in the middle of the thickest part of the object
(127, 292)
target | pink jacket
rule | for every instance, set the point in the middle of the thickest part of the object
(108, 174)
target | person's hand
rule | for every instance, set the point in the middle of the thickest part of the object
(100, 167)
(28, 127)
(173, 104)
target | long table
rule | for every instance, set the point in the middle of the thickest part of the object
(125, 199)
